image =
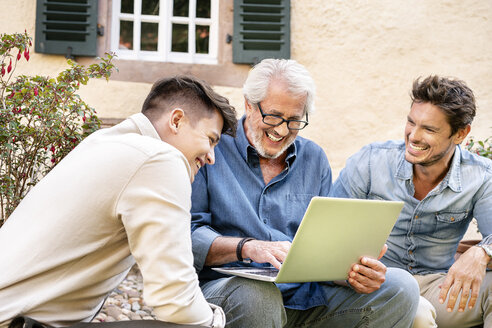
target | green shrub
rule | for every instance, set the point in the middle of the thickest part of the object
(482, 148)
(41, 118)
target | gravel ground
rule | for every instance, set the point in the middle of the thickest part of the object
(126, 301)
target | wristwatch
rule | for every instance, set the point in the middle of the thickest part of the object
(487, 249)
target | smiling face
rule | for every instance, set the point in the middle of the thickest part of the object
(197, 141)
(428, 139)
(193, 135)
(269, 141)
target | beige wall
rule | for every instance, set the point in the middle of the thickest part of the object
(363, 55)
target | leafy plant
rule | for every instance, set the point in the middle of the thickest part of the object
(41, 118)
(482, 148)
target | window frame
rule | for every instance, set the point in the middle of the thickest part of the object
(165, 19)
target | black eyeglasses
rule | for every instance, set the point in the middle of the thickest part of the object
(275, 120)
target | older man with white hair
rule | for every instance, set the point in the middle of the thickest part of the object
(250, 204)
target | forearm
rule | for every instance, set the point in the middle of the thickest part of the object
(222, 250)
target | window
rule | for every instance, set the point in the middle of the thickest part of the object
(183, 31)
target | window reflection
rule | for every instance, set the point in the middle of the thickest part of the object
(148, 40)
(203, 8)
(127, 6)
(201, 39)
(181, 8)
(180, 38)
(150, 7)
(126, 35)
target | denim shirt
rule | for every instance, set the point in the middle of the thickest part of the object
(230, 198)
(426, 234)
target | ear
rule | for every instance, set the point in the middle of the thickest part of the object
(176, 119)
(461, 134)
(247, 105)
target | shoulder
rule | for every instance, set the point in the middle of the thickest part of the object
(306, 147)
(390, 149)
(475, 162)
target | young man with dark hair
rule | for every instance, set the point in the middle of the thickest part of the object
(444, 187)
(122, 196)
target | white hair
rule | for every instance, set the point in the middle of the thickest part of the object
(298, 80)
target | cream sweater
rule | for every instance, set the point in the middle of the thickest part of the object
(121, 195)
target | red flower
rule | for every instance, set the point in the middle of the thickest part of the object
(3, 70)
(52, 149)
(10, 66)
(26, 54)
(36, 91)
(19, 55)
(53, 160)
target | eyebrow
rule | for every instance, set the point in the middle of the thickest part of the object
(425, 126)
(277, 113)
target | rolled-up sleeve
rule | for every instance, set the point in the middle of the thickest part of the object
(483, 209)
(155, 211)
(202, 234)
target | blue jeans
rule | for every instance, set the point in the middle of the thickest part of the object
(257, 304)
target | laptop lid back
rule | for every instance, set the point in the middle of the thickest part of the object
(335, 233)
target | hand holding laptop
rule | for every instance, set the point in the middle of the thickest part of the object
(369, 275)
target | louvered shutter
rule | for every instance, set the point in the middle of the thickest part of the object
(67, 27)
(261, 30)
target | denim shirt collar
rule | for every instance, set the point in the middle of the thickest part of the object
(451, 180)
(248, 152)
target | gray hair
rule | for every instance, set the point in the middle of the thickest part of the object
(298, 79)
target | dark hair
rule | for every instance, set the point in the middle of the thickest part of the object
(188, 93)
(453, 97)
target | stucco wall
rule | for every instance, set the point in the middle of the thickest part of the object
(363, 56)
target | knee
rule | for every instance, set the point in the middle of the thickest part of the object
(426, 315)
(257, 296)
(402, 284)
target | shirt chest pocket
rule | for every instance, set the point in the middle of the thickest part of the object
(451, 225)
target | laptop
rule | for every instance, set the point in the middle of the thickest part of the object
(334, 234)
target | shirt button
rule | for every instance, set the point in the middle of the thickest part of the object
(264, 220)
(410, 268)
(410, 252)
(416, 217)
(452, 219)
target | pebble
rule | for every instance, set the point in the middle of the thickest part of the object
(126, 301)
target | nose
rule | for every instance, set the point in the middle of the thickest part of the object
(210, 157)
(414, 134)
(282, 130)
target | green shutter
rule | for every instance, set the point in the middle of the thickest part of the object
(67, 27)
(261, 30)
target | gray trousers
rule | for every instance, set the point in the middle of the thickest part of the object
(257, 304)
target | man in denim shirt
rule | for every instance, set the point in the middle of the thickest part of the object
(260, 187)
(443, 187)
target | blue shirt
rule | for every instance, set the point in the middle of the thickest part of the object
(426, 234)
(230, 198)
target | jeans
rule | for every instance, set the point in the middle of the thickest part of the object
(257, 304)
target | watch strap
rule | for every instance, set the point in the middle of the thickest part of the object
(239, 248)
